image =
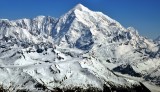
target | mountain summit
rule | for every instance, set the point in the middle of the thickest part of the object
(80, 7)
(80, 26)
(83, 50)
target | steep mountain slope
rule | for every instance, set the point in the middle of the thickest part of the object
(96, 29)
(81, 26)
(75, 52)
(107, 40)
(34, 30)
(157, 39)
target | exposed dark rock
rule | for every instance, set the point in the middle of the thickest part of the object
(39, 50)
(2, 89)
(112, 88)
(127, 69)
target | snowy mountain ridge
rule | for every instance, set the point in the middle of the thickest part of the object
(28, 29)
(82, 47)
(157, 39)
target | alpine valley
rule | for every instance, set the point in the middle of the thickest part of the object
(82, 51)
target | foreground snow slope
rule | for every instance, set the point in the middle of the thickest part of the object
(25, 69)
(77, 51)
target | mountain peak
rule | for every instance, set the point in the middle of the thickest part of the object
(157, 39)
(80, 7)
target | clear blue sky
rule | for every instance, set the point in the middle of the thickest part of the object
(144, 15)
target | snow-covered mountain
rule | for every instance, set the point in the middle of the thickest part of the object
(107, 40)
(34, 30)
(157, 39)
(79, 51)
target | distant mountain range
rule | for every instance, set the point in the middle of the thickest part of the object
(81, 51)
(157, 39)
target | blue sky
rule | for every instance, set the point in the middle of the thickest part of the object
(144, 15)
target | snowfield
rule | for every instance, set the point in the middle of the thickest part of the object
(82, 50)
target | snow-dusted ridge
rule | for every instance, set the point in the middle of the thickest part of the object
(157, 39)
(78, 51)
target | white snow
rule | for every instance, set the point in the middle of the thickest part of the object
(80, 49)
